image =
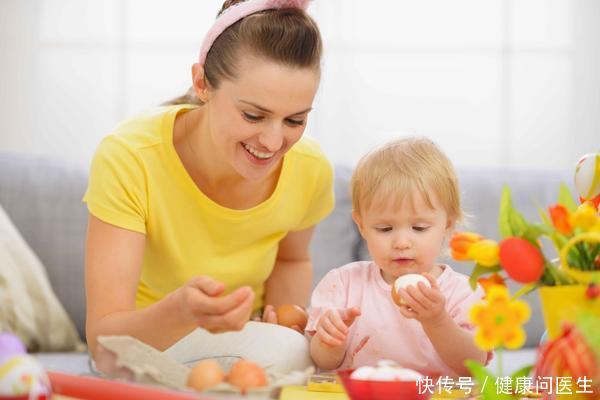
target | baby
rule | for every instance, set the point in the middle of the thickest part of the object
(406, 202)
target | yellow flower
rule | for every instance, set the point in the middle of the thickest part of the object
(499, 320)
(484, 252)
(585, 217)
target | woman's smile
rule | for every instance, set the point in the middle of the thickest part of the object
(257, 157)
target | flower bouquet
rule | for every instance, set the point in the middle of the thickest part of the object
(569, 288)
(567, 284)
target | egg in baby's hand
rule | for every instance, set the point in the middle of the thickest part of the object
(403, 282)
(205, 374)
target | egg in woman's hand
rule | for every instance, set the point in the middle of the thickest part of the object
(405, 281)
(291, 315)
(205, 374)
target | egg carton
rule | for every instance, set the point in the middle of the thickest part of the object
(132, 360)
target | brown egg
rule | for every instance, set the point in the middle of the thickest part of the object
(290, 315)
(246, 374)
(205, 374)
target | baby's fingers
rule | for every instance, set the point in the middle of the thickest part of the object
(327, 339)
(407, 312)
(334, 330)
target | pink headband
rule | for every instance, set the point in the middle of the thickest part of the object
(240, 10)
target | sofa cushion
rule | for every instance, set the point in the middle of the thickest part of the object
(42, 197)
(336, 238)
(28, 306)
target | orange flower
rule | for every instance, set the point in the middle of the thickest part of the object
(461, 242)
(487, 283)
(560, 219)
(521, 260)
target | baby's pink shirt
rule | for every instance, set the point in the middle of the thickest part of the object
(381, 332)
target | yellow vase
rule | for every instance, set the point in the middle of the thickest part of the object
(563, 304)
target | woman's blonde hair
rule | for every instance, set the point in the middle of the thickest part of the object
(397, 168)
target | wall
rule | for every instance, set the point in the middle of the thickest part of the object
(498, 83)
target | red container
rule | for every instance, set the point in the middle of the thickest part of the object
(380, 390)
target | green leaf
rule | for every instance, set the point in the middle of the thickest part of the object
(510, 221)
(524, 290)
(525, 371)
(481, 270)
(566, 198)
(544, 217)
(533, 232)
(486, 381)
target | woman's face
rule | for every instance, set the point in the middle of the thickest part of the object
(256, 118)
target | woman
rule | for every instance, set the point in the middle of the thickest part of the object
(201, 214)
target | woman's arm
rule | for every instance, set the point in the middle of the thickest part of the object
(113, 266)
(291, 279)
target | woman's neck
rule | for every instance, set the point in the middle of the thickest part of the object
(211, 174)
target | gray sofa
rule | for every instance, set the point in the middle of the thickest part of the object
(42, 196)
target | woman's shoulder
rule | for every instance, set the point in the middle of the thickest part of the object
(146, 129)
(308, 148)
(309, 163)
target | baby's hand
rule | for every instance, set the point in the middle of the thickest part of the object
(424, 304)
(332, 329)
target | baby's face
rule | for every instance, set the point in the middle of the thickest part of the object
(404, 239)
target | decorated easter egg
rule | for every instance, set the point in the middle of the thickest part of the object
(22, 376)
(10, 345)
(587, 176)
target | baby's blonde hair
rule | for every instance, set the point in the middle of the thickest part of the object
(397, 168)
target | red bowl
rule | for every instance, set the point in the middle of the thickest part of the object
(380, 390)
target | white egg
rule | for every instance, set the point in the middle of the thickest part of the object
(406, 374)
(385, 374)
(362, 373)
(408, 280)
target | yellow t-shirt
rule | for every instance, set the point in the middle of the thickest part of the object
(138, 182)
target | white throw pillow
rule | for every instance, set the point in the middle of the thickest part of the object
(28, 306)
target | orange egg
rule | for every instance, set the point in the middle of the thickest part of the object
(290, 315)
(246, 374)
(205, 374)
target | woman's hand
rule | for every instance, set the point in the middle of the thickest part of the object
(333, 326)
(270, 316)
(201, 301)
(425, 304)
